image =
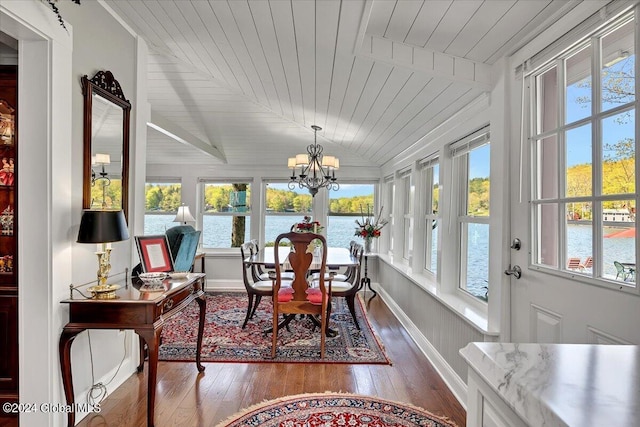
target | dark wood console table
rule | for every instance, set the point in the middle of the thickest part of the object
(144, 311)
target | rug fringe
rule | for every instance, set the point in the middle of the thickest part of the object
(266, 402)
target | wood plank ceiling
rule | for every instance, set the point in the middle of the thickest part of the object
(243, 81)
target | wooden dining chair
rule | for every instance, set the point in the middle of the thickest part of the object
(303, 299)
(348, 288)
(256, 288)
(262, 274)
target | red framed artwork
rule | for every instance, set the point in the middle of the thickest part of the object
(154, 253)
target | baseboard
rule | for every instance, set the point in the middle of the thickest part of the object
(214, 285)
(457, 386)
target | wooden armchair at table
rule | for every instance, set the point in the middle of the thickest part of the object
(304, 299)
(256, 288)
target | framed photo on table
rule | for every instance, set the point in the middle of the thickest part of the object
(154, 253)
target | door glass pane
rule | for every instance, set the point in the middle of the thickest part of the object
(547, 158)
(618, 67)
(579, 164)
(619, 242)
(547, 250)
(618, 153)
(578, 90)
(579, 241)
(547, 86)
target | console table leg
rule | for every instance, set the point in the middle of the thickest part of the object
(152, 338)
(203, 309)
(64, 349)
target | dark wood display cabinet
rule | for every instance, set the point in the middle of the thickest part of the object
(8, 240)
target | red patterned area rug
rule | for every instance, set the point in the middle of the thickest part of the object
(225, 340)
(334, 410)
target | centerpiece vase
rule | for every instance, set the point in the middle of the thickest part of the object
(367, 244)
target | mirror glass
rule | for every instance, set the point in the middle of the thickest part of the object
(106, 143)
(106, 154)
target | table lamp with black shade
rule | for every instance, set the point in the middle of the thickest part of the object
(103, 227)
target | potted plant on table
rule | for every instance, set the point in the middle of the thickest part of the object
(308, 226)
(369, 228)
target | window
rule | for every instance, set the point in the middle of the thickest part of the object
(347, 204)
(431, 176)
(283, 208)
(391, 195)
(162, 199)
(407, 215)
(471, 158)
(584, 143)
(226, 214)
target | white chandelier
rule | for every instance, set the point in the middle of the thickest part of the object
(315, 170)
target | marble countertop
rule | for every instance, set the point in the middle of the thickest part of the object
(563, 384)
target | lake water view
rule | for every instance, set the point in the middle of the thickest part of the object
(340, 231)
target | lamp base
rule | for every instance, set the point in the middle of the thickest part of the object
(104, 291)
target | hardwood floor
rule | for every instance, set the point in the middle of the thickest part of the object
(187, 398)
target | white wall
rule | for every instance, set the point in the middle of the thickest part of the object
(51, 62)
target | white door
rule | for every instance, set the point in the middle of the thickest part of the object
(555, 301)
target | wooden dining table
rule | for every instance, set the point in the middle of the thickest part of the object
(336, 258)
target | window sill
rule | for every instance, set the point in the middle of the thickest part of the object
(474, 316)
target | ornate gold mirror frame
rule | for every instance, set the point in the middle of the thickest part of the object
(106, 144)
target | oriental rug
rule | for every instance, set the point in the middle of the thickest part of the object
(225, 340)
(334, 410)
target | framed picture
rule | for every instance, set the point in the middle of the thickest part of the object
(154, 252)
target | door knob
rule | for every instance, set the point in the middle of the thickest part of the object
(516, 271)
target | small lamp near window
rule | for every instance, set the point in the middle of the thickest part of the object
(103, 227)
(184, 215)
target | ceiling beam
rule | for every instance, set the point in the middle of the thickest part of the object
(431, 62)
(167, 127)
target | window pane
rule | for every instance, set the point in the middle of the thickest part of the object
(547, 235)
(477, 268)
(161, 205)
(547, 87)
(478, 184)
(226, 197)
(579, 164)
(547, 158)
(278, 224)
(618, 154)
(435, 191)
(434, 246)
(618, 67)
(579, 241)
(226, 219)
(619, 243)
(578, 91)
(391, 194)
(155, 223)
(280, 198)
(347, 204)
(216, 231)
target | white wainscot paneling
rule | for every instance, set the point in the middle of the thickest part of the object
(546, 326)
(596, 336)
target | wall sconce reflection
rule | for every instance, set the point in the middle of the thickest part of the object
(101, 160)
